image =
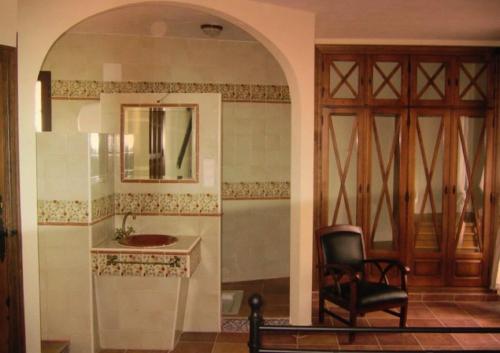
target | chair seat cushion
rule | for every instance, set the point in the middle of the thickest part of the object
(371, 293)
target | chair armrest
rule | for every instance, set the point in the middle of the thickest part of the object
(396, 263)
(403, 270)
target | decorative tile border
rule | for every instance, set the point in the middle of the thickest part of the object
(167, 204)
(102, 208)
(60, 211)
(142, 264)
(256, 190)
(241, 324)
(75, 89)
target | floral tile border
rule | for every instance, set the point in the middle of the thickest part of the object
(61, 211)
(140, 264)
(241, 324)
(76, 89)
(102, 208)
(167, 204)
(256, 190)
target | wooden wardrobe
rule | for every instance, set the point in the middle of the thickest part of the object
(405, 149)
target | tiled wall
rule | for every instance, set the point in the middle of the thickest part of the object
(256, 112)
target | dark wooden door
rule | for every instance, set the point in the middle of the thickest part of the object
(343, 191)
(428, 202)
(470, 198)
(11, 308)
(385, 182)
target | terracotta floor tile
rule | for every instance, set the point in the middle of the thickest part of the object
(355, 347)
(449, 311)
(436, 339)
(198, 336)
(401, 348)
(221, 347)
(476, 340)
(459, 322)
(282, 339)
(419, 312)
(232, 337)
(193, 347)
(482, 309)
(320, 339)
(423, 323)
(397, 339)
(360, 339)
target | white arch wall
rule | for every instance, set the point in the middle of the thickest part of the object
(287, 34)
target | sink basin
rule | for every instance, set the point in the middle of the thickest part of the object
(147, 240)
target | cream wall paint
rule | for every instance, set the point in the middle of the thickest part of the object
(41, 23)
(8, 22)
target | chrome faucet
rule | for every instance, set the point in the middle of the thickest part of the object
(124, 222)
(124, 231)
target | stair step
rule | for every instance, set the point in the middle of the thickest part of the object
(55, 346)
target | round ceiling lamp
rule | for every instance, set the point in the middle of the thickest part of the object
(211, 30)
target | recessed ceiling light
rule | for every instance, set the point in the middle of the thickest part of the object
(211, 30)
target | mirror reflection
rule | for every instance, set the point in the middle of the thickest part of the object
(159, 142)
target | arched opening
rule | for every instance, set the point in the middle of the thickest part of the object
(39, 27)
(83, 197)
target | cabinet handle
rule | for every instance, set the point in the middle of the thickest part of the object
(454, 189)
(446, 190)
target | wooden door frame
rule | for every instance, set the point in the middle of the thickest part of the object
(12, 205)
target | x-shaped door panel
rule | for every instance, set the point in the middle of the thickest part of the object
(471, 160)
(384, 184)
(343, 157)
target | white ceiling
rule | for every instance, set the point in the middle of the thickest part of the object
(445, 20)
(336, 20)
(138, 20)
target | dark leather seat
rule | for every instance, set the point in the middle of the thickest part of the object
(370, 293)
(342, 261)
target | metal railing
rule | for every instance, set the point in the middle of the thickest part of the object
(257, 328)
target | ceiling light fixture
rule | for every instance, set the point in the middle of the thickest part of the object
(211, 30)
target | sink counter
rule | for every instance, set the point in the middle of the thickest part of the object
(179, 259)
(184, 245)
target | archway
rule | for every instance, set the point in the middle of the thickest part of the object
(40, 26)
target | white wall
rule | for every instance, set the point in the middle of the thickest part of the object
(8, 22)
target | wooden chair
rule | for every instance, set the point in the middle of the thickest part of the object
(342, 279)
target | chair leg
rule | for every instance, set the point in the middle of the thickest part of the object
(321, 313)
(353, 316)
(403, 314)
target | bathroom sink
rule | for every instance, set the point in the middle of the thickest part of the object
(147, 240)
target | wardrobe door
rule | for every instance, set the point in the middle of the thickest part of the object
(472, 157)
(431, 80)
(428, 195)
(474, 81)
(385, 187)
(342, 179)
(343, 79)
(387, 80)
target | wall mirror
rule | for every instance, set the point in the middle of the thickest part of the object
(159, 143)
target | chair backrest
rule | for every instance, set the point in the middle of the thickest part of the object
(341, 244)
